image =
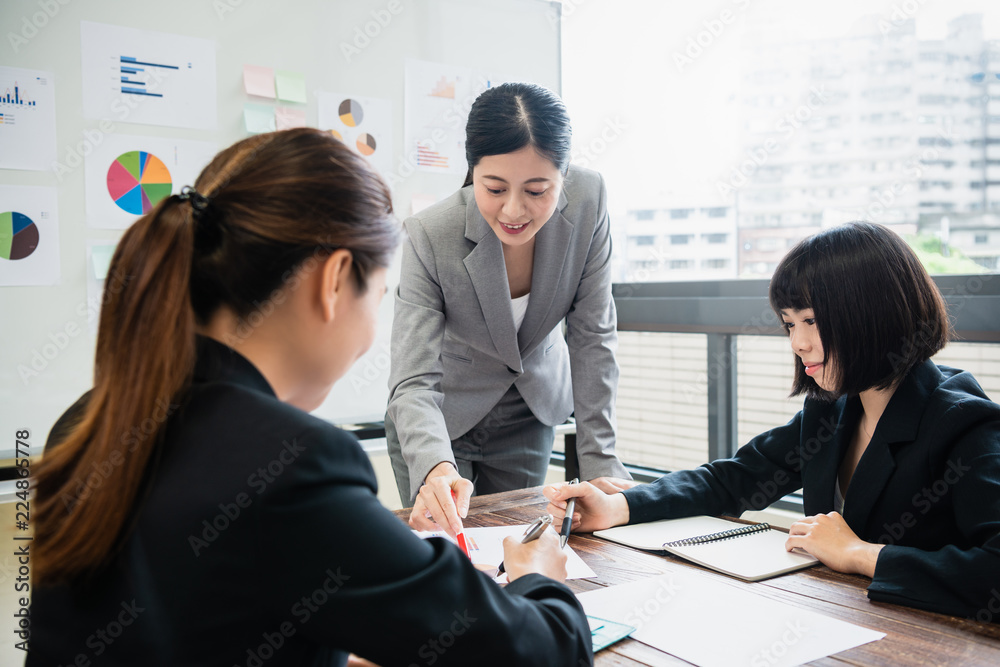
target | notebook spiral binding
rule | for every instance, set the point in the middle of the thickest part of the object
(718, 537)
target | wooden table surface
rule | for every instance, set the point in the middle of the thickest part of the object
(913, 637)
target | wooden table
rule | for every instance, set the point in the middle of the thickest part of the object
(913, 637)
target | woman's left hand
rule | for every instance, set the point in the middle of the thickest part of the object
(831, 540)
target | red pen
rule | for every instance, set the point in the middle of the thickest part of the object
(461, 534)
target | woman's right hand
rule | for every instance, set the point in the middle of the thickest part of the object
(542, 556)
(595, 509)
(445, 497)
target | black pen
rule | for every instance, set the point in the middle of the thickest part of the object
(568, 519)
(534, 531)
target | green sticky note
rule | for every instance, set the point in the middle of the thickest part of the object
(291, 86)
(100, 256)
(258, 118)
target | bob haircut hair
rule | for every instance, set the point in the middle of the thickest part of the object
(510, 116)
(878, 312)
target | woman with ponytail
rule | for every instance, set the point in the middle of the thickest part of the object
(190, 511)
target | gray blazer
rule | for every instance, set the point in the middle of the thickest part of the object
(455, 351)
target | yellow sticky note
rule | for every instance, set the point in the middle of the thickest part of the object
(291, 86)
(258, 118)
(258, 81)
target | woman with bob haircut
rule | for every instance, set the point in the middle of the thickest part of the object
(233, 528)
(898, 458)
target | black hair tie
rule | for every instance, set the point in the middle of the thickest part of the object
(199, 202)
(208, 227)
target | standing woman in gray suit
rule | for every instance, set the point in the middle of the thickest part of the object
(481, 372)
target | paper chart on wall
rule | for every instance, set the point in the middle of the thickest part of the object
(27, 119)
(363, 123)
(127, 176)
(99, 254)
(486, 548)
(152, 78)
(29, 236)
(437, 102)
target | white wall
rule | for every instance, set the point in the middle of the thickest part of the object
(519, 38)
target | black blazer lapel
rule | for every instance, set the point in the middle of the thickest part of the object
(897, 428)
(819, 470)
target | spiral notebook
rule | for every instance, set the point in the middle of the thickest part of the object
(747, 551)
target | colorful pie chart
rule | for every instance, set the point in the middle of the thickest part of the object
(18, 235)
(366, 144)
(350, 113)
(137, 181)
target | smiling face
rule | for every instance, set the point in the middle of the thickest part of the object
(803, 334)
(516, 193)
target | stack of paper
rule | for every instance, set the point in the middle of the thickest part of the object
(711, 623)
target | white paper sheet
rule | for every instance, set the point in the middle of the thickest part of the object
(27, 119)
(99, 254)
(685, 615)
(153, 78)
(112, 200)
(29, 235)
(486, 548)
(437, 101)
(363, 123)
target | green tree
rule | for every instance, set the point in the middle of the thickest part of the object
(929, 250)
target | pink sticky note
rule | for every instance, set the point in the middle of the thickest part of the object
(286, 118)
(258, 81)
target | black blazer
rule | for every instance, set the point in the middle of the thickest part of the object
(928, 486)
(260, 541)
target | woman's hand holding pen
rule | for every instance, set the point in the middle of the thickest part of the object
(437, 500)
(543, 556)
(595, 509)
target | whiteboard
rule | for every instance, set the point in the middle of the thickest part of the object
(357, 47)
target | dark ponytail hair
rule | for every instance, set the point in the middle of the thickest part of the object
(511, 116)
(264, 207)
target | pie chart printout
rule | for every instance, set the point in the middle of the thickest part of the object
(137, 181)
(18, 235)
(366, 144)
(351, 113)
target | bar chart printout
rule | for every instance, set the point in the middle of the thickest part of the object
(132, 71)
(27, 119)
(153, 78)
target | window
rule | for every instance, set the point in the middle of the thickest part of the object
(770, 244)
(761, 150)
(982, 239)
(677, 264)
(644, 240)
(715, 238)
(715, 264)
